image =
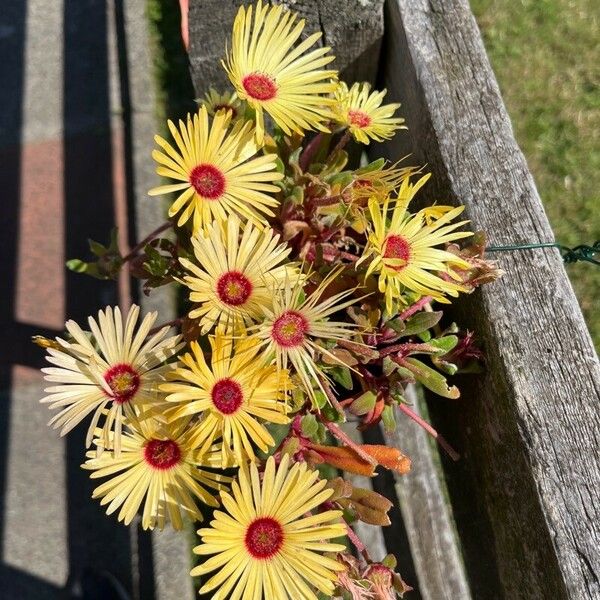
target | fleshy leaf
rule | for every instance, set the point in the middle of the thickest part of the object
(431, 379)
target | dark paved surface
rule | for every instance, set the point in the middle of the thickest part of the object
(64, 177)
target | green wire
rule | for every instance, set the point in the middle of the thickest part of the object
(580, 253)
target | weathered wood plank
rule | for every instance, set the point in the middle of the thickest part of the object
(426, 513)
(526, 494)
(353, 28)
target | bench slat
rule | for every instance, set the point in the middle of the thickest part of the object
(526, 495)
(427, 513)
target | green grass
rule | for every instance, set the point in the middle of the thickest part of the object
(545, 56)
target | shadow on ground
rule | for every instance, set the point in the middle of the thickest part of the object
(85, 152)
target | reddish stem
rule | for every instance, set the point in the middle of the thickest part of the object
(357, 542)
(405, 349)
(430, 430)
(342, 143)
(147, 239)
(326, 201)
(359, 349)
(416, 307)
(342, 437)
(309, 152)
(332, 398)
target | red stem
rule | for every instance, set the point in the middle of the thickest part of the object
(405, 349)
(357, 542)
(148, 238)
(416, 307)
(332, 398)
(453, 454)
(326, 201)
(342, 437)
(342, 143)
(309, 152)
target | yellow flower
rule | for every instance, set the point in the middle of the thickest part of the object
(362, 112)
(227, 101)
(111, 372)
(432, 213)
(273, 75)
(402, 251)
(268, 545)
(378, 182)
(372, 183)
(233, 396)
(236, 271)
(216, 177)
(294, 325)
(158, 466)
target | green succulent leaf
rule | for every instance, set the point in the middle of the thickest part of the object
(79, 266)
(343, 376)
(445, 344)
(388, 366)
(156, 264)
(418, 323)
(376, 165)
(109, 259)
(431, 379)
(320, 400)
(388, 419)
(364, 403)
(309, 426)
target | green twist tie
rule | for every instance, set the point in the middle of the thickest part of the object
(580, 253)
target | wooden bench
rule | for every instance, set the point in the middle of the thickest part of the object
(518, 515)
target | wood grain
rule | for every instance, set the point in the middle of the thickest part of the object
(353, 28)
(526, 495)
(426, 512)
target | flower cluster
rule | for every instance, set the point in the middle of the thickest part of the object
(308, 286)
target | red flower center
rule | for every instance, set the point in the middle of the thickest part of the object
(208, 181)
(264, 538)
(398, 248)
(259, 86)
(234, 288)
(227, 396)
(162, 454)
(289, 329)
(359, 118)
(123, 382)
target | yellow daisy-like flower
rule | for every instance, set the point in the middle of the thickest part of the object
(402, 251)
(268, 545)
(227, 101)
(380, 182)
(362, 113)
(370, 182)
(236, 272)
(110, 372)
(432, 213)
(216, 172)
(274, 76)
(234, 395)
(294, 325)
(159, 467)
